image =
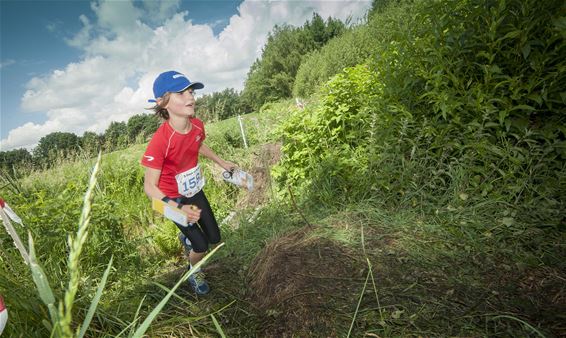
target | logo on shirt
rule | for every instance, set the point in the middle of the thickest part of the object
(149, 158)
(197, 138)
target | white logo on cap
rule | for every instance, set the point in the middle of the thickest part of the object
(178, 75)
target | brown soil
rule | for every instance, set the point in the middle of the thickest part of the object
(300, 284)
(267, 156)
(263, 160)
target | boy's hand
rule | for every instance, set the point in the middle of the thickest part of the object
(229, 166)
(193, 213)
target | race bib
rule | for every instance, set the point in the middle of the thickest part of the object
(190, 182)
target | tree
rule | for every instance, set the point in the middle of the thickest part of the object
(12, 160)
(141, 126)
(272, 76)
(60, 145)
(116, 136)
(221, 105)
(91, 142)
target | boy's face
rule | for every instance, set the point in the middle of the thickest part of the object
(182, 103)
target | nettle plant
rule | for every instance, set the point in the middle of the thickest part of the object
(330, 137)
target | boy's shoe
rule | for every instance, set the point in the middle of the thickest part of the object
(185, 242)
(198, 283)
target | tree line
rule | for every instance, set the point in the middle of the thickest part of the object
(58, 146)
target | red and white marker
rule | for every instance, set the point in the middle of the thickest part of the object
(3, 315)
(10, 212)
(7, 214)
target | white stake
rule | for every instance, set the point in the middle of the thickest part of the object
(242, 130)
(12, 232)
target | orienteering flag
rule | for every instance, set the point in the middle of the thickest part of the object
(10, 212)
(3, 315)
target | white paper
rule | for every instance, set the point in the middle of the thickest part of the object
(175, 215)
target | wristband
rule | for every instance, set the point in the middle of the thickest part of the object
(167, 199)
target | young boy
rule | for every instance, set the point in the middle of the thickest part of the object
(172, 172)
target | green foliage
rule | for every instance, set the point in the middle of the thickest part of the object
(91, 143)
(355, 46)
(272, 76)
(323, 140)
(12, 160)
(141, 126)
(56, 145)
(221, 105)
(116, 135)
(351, 48)
(454, 115)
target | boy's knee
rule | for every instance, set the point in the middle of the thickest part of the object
(201, 248)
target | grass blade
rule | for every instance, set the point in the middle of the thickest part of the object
(375, 290)
(217, 325)
(41, 282)
(136, 316)
(95, 300)
(527, 325)
(145, 325)
(359, 302)
(76, 246)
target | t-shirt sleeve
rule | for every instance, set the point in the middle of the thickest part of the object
(154, 155)
(201, 126)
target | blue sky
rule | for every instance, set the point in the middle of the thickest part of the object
(75, 66)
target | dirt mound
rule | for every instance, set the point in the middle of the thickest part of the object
(267, 156)
(263, 159)
(298, 282)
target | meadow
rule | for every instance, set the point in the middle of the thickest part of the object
(418, 191)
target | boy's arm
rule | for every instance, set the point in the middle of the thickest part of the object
(150, 186)
(209, 153)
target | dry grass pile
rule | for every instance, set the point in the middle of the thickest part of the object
(300, 284)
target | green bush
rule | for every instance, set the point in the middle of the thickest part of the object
(351, 48)
(355, 46)
(461, 109)
(331, 132)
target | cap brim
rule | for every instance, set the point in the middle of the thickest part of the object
(196, 85)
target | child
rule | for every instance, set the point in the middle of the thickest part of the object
(172, 172)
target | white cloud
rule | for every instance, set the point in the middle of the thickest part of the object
(118, 17)
(158, 11)
(83, 36)
(123, 54)
(7, 63)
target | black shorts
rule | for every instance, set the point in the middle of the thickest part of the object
(206, 229)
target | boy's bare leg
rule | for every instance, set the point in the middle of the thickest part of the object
(195, 257)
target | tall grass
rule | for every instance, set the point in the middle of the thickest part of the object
(61, 316)
(122, 229)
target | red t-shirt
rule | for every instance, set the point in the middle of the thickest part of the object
(173, 153)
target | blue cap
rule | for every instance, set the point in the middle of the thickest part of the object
(172, 82)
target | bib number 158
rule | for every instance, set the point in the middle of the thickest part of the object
(190, 182)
